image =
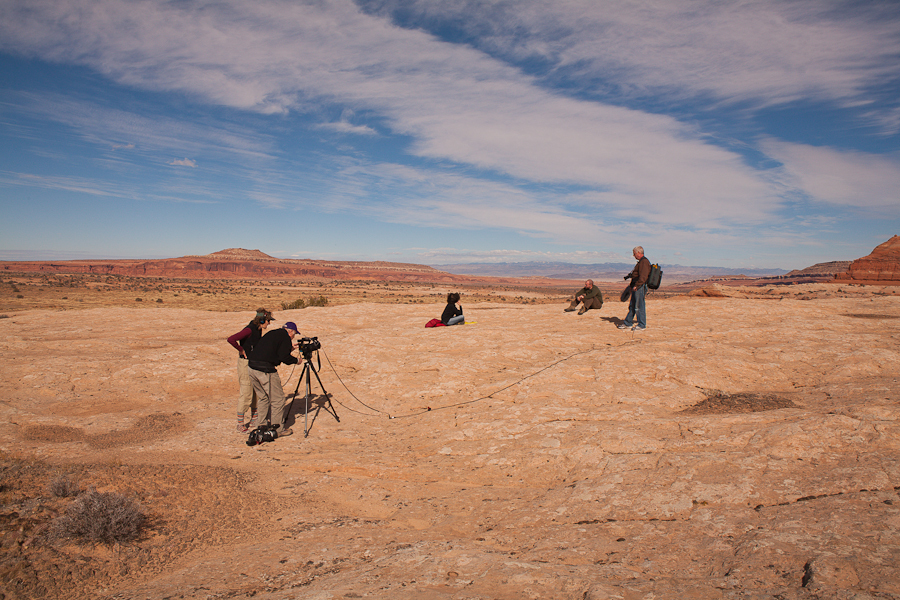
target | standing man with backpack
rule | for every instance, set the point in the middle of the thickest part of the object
(639, 277)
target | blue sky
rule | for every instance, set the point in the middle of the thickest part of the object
(761, 133)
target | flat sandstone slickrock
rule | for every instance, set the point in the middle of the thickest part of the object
(532, 455)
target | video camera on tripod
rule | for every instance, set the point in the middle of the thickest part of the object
(308, 345)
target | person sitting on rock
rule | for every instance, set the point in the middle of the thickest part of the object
(589, 296)
(453, 314)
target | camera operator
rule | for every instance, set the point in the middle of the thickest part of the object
(275, 348)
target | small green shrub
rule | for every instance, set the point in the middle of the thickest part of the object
(97, 517)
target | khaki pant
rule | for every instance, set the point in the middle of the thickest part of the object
(269, 394)
(247, 395)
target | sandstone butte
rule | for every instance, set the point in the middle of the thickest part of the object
(882, 265)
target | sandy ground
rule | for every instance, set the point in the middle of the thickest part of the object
(738, 448)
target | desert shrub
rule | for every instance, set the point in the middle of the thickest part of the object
(138, 299)
(301, 303)
(298, 303)
(97, 517)
(319, 301)
(64, 487)
(20, 296)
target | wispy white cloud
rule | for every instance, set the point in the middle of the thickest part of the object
(69, 184)
(184, 162)
(759, 51)
(147, 134)
(456, 103)
(841, 178)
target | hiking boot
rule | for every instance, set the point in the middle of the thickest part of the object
(241, 428)
(568, 310)
(624, 326)
(582, 311)
(286, 432)
(638, 328)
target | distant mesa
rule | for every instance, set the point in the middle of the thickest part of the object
(238, 263)
(239, 254)
(881, 266)
(828, 268)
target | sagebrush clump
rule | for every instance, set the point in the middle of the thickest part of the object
(301, 303)
(64, 487)
(101, 517)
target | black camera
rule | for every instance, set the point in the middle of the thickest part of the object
(308, 345)
(629, 276)
(263, 433)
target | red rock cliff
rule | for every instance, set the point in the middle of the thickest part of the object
(882, 265)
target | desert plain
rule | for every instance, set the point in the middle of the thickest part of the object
(746, 445)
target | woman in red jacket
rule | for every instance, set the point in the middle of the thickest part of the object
(244, 341)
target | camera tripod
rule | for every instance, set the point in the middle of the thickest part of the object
(309, 370)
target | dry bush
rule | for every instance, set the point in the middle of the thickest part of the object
(64, 487)
(97, 517)
(298, 303)
(301, 303)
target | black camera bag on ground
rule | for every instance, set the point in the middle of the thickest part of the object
(263, 433)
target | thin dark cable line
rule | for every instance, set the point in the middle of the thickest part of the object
(539, 371)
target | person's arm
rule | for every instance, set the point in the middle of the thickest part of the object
(236, 338)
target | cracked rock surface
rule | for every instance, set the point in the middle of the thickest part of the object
(737, 448)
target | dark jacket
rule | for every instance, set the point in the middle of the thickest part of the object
(451, 311)
(641, 273)
(246, 338)
(272, 349)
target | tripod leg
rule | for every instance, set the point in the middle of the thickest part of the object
(327, 397)
(307, 367)
(294, 397)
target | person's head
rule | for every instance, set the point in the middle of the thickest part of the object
(589, 283)
(638, 252)
(263, 318)
(291, 328)
(452, 297)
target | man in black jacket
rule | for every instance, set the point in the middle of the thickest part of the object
(274, 348)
